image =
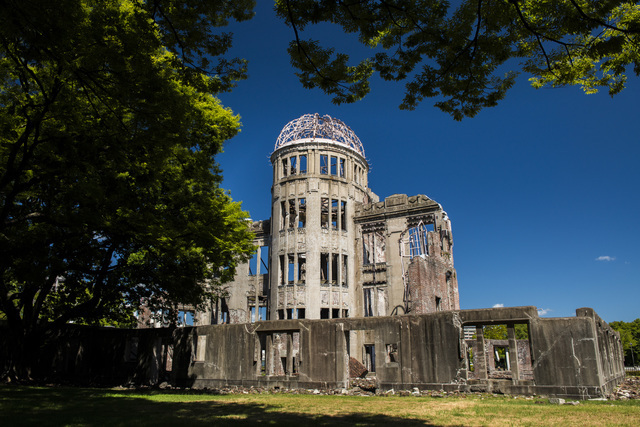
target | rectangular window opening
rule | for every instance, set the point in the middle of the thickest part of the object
(282, 272)
(392, 353)
(294, 165)
(341, 171)
(334, 214)
(345, 313)
(343, 278)
(501, 356)
(324, 268)
(368, 302)
(264, 259)
(253, 264)
(301, 313)
(370, 357)
(290, 269)
(334, 165)
(292, 213)
(438, 304)
(343, 215)
(283, 215)
(335, 313)
(302, 212)
(186, 318)
(280, 314)
(334, 269)
(302, 268)
(324, 212)
(324, 313)
(285, 168)
(324, 164)
(289, 313)
(224, 311)
(303, 164)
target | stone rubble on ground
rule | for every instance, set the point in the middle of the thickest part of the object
(629, 389)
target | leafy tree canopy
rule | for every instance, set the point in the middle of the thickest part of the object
(499, 332)
(468, 54)
(630, 337)
(109, 191)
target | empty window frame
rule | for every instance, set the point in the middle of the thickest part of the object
(324, 313)
(264, 259)
(334, 214)
(224, 311)
(324, 212)
(282, 274)
(253, 264)
(186, 318)
(334, 269)
(418, 239)
(343, 215)
(303, 164)
(368, 301)
(392, 353)
(289, 313)
(280, 314)
(290, 269)
(373, 247)
(369, 357)
(345, 313)
(258, 264)
(324, 268)
(302, 268)
(335, 313)
(262, 313)
(343, 276)
(285, 167)
(324, 164)
(283, 215)
(302, 212)
(438, 304)
(292, 213)
(334, 165)
(341, 168)
(293, 162)
(501, 358)
(301, 313)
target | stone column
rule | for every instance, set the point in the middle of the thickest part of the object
(513, 352)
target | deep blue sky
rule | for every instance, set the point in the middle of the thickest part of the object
(542, 190)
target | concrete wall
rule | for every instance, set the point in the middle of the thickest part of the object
(578, 357)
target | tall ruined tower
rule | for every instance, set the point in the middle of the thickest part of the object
(320, 173)
(331, 248)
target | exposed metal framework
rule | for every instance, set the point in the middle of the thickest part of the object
(314, 127)
(413, 242)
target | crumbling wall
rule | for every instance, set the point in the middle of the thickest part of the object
(432, 286)
(578, 357)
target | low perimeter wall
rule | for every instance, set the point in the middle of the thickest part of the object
(577, 357)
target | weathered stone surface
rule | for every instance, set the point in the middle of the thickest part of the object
(427, 352)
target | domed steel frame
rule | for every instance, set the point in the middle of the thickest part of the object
(314, 127)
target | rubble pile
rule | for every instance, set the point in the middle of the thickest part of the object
(629, 389)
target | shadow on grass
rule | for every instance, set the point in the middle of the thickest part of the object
(68, 406)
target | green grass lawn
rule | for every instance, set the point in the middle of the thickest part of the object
(44, 406)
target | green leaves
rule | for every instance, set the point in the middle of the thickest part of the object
(109, 189)
(468, 56)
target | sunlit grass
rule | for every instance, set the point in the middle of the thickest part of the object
(81, 406)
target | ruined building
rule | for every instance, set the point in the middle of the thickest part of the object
(381, 274)
(333, 250)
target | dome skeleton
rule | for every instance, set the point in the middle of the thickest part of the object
(313, 127)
